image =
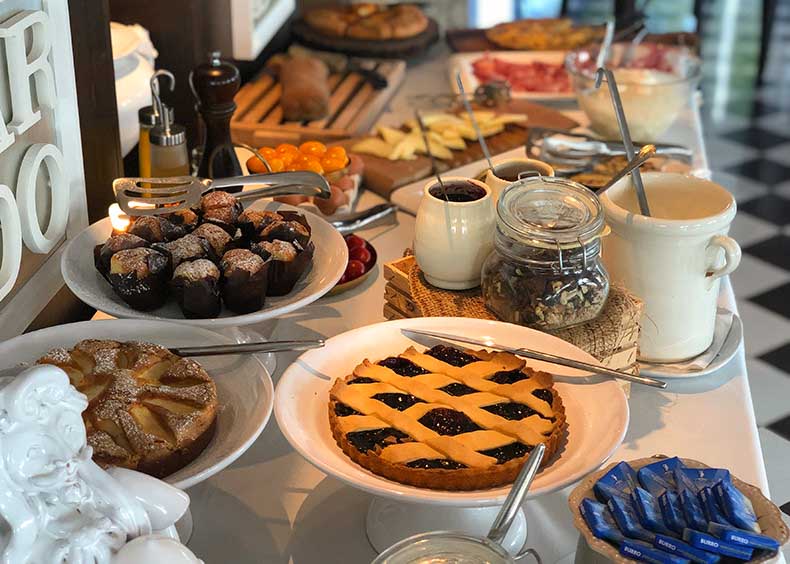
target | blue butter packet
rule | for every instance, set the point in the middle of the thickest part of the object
(710, 506)
(672, 512)
(712, 544)
(732, 535)
(736, 506)
(698, 478)
(627, 520)
(659, 476)
(680, 548)
(692, 510)
(620, 481)
(648, 511)
(645, 553)
(600, 520)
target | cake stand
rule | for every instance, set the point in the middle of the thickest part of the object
(329, 263)
(596, 411)
(244, 387)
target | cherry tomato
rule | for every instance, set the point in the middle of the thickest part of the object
(255, 165)
(343, 279)
(362, 254)
(267, 152)
(277, 164)
(287, 159)
(354, 242)
(315, 148)
(337, 152)
(355, 269)
(332, 164)
(313, 164)
(287, 148)
(300, 161)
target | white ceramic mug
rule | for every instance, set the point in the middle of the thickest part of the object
(512, 167)
(673, 260)
(452, 239)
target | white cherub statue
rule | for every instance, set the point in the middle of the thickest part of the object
(56, 505)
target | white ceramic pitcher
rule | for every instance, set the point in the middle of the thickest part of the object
(674, 260)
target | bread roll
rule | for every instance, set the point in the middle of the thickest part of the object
(305, 95)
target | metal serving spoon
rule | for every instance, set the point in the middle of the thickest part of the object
(639, 159)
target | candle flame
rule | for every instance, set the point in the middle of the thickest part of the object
(119, 220)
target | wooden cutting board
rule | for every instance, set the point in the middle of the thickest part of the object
(383, 175)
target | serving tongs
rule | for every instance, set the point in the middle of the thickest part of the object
(157, 196)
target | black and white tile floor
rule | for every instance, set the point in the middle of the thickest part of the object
(750, 155)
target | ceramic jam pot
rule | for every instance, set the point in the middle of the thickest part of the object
(453, 236)
(507, 172)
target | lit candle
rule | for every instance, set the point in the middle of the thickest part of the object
(119, 220)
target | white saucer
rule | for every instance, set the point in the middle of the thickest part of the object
(596, 409)
(729, 348)
(329, 263)
(244, 388)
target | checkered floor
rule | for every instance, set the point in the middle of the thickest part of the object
(750, 155)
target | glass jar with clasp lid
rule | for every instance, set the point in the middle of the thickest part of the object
(545, 271)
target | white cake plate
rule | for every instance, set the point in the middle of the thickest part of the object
(244, 388)
(596, 411)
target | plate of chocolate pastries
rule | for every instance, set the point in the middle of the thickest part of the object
(217, 265)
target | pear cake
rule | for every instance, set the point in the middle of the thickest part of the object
(149, 409)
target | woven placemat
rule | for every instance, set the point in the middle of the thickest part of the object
(601, 337)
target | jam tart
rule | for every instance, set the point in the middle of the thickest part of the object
(447, 418)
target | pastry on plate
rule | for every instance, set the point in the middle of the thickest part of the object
(244, 275)
(287, 262)
(120, 242)
(139, 276)
(149, 409)
(368, 21)
(542, 34)
(196, 287)
(446, 419)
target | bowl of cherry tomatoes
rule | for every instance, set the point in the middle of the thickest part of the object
(362, 259)
(343, 172)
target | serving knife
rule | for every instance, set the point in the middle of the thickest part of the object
(242, 348)
(545, 357)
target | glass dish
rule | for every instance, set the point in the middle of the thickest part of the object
(655, 83)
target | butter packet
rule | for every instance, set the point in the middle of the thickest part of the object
(736, 506)
(672, 512)
(643, 552)
(600, 520)
(680, 548)
(627, 520)
(688, 485)
(649, 511)
(710, 543)
(658, 477)
(743, 538)
(620, 481)
(710, 506)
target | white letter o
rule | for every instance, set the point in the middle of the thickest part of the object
(11, 255)
(48, 155)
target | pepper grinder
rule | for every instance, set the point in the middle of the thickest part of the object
(214, 85)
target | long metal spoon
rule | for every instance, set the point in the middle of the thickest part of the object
(473, 120)
(507, 514)
(600, 74)
(641, 158)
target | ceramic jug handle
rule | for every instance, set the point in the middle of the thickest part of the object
(732, 255)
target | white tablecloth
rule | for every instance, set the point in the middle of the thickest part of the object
(273, 506)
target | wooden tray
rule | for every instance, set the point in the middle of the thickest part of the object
(398, 304)
(390, 48)
(354, 106)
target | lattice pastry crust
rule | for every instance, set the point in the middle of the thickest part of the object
(149, 409)
(446, 419)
